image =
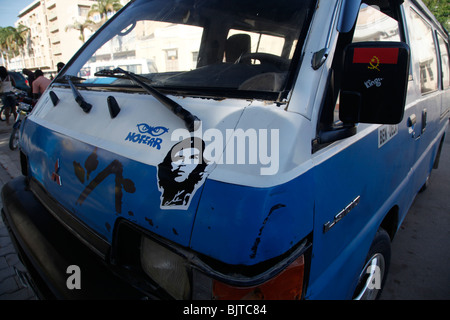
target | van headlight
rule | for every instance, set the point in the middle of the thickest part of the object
(185, 277)
(166, 268)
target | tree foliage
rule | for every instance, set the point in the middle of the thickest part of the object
(81, 27)
(103, 7)
(441, 10)
(13, 41)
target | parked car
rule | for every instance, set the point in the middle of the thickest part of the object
(21, 81)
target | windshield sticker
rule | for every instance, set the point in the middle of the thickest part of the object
(181, 173)
(147, 135)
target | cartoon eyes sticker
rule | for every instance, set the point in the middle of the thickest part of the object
(154, 131)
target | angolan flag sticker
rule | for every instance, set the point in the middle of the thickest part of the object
(375, 57)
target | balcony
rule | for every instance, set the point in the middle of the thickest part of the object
(53, 26)
(56, 49)
(51, 4)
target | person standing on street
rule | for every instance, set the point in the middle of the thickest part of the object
(30, 78)
(60, 65)
(7, 85)
(40, 84)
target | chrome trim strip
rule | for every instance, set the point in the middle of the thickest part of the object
(327, 226)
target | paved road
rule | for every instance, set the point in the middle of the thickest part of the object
(420, 266)
(421, 249)
(11, 287)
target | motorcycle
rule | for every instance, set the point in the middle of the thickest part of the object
(18, 95)
(24, 107)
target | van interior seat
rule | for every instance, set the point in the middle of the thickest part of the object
(236, 46)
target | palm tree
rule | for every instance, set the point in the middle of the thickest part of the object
(103, 7)
(22, 36)
(8, 45)
(88, 24)
(3, 47)
(13, 41)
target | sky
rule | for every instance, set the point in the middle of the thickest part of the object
(9, 10)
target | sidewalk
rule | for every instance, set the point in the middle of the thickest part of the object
(11, 286)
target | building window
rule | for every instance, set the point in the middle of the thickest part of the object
(83, 11)
(172, 59)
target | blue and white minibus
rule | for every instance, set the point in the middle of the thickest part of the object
(272, 153)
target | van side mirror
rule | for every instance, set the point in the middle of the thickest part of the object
(374, 82)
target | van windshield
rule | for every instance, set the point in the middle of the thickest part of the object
(192, 46)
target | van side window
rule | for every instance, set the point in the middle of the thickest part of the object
(374, 25)
(423, 47)
(443, 50)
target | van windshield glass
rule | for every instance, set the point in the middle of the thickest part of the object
(193, 45)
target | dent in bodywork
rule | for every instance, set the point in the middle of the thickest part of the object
(258, 239)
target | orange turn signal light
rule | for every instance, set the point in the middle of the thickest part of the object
(287, 285)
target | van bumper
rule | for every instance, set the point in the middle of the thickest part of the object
(47, 249)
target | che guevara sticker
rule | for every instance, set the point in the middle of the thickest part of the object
(182, 173)
(182, 170)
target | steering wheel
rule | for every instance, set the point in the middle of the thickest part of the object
(265, 58)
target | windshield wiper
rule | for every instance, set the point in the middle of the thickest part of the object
(78, 97)
(192, 122)
(110, 73)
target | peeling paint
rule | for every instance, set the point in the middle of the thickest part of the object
(150, 221)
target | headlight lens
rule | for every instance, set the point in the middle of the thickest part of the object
(165, 268)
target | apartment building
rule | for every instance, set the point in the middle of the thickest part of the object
(53, 36)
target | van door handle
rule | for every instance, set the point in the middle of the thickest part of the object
(411, 124)
(424, 120)
(411, 120)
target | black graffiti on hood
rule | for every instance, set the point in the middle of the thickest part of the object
(114, 168)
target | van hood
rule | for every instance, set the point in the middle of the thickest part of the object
(134, 166)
